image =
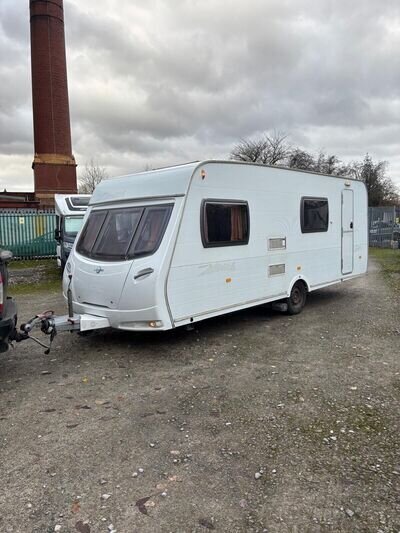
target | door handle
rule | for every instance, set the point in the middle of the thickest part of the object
(351, 225)
(143, 273)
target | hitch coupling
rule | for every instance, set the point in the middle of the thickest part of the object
(50, 324)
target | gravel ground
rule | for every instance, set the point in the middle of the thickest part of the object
(252, 422)
(27, 276)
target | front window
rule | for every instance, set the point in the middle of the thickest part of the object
(90, 232)
(155, 220)
(72, 225)
(119, 234)
(224, 223)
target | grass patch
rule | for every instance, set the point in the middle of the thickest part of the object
(17, 264)
(389, 261)
(29, 277)
(360, 419)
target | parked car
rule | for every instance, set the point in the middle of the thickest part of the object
(8, 308)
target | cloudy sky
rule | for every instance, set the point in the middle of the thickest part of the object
(162, 82)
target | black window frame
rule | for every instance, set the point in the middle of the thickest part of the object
(130, 254)
(313, 198)
(82, 236)
(203, 215)
(103, 229)
(148, 208)
(77, 204)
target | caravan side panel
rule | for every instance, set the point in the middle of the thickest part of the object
(208, 281)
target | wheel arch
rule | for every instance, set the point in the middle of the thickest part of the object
(297, 278)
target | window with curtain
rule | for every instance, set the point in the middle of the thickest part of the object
(224, 223)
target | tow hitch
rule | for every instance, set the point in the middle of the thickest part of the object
(50, 324)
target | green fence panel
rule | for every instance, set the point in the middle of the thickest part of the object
(28, 235)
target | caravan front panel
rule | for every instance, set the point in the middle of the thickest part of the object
(119, 258)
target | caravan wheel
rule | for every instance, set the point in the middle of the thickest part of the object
(297, 298)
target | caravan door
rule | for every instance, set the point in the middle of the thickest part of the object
(347, 231)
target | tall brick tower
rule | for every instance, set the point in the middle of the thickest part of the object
(54, 165)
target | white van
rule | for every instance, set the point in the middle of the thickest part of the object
(70, 210)
(169, 247)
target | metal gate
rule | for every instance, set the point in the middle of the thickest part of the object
(384, 227)
(28, 234)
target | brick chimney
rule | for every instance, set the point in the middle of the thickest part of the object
(54, 165)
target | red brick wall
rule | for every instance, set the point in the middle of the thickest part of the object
(18, 200)
(55, 178)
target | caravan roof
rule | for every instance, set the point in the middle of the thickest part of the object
(167, 182)
(163, 182)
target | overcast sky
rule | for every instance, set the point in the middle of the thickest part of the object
(162, 82)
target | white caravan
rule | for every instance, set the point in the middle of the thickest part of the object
(169, 247)
(70, 210)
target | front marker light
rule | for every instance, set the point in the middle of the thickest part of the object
(143, 325)
(155, 324)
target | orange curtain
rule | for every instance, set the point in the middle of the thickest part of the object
(237, 223)
(155, 223)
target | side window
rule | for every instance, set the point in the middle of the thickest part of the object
(314, 215)
(224, 223)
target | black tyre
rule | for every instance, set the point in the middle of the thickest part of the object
(4, 347)
(297, 298)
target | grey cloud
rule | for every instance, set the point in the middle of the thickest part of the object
(160, 82)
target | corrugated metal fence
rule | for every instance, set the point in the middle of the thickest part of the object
(28, 234)
(384, 227)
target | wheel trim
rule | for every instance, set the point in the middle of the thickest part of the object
(297, 296)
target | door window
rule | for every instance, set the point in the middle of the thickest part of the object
(314, 215)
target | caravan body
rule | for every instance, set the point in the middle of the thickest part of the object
(173, 246)
(70, 210)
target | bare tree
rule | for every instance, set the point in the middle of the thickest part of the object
(269, 149)
(301, 159)
(380, 187)
(274, 149)
(92, 176)
(327, 164)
